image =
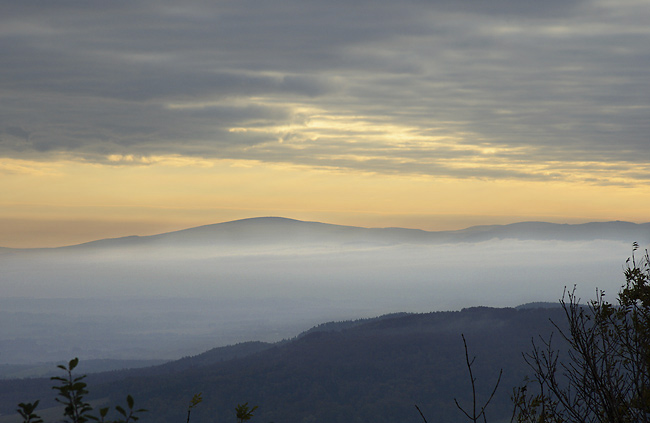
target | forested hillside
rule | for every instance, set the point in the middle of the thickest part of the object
(365, 371)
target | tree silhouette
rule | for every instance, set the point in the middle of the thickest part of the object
(244, 413)
(604, 374)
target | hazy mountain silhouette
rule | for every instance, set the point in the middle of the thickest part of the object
(269, 231)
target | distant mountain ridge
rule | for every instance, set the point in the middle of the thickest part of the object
(278, 230)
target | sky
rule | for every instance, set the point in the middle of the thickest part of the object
(122, 117)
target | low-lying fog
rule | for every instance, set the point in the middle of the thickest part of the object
(167, 302)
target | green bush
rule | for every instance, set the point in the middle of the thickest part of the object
(70, 393)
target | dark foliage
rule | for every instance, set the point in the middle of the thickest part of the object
(71, 392)
(603, 374)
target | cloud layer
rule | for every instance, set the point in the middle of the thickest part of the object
(503, 89)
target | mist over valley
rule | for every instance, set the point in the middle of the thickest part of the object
(175, 294)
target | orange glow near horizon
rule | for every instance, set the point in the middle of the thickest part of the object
(62, 203)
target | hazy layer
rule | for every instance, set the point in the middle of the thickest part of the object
(154, 298)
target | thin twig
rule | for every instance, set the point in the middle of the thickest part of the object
(423, 418)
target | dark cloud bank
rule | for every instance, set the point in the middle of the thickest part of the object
(535, 82)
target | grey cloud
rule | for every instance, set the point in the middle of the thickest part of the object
(531, 9)
(149, 131)
(111, 76)
(17, 132)
(550, 81)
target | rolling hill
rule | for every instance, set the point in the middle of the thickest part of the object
(270, 231)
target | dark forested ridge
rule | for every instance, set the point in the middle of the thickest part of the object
(368, 370)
